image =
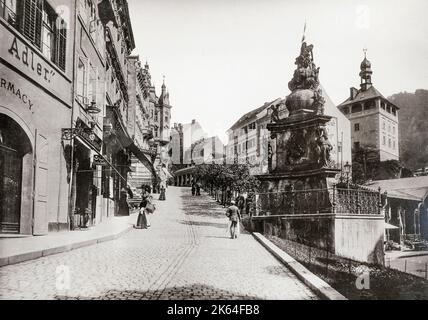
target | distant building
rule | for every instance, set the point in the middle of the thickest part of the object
(208, 151)
(374, 119)
(407, 207)
(183, 136)
(248, 137)
(190, 146)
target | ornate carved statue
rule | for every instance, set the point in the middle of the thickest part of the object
(275, 113)
(319, 102)
(306, 93)
(323, 147)
(295, 147)
(270, 156)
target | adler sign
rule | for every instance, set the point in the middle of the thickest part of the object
(21, 55)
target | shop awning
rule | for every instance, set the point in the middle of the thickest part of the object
(390, 226)
(102, 156)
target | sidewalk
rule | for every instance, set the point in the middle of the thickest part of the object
(16, 250)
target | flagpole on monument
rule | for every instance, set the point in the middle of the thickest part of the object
(304, 33)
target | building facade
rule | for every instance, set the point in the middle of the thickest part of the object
(146, 149)
(74, 113)
(36, 76)
(374, 119)
(248, 138)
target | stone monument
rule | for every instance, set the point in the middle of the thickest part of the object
(298, 199)
(299, 150)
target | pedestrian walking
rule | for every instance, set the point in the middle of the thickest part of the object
(198, 188)
(249, 202)
(193, 188)
(164, 175)
(234, 217)
(228, 195)
(240, 202)
(123, 201)
(146, 205)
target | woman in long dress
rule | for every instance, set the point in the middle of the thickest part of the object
(143, 221)
(164, 175)
(123, 201)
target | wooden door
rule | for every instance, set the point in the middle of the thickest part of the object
(40, 219)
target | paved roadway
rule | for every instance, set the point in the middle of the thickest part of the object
(186, 254)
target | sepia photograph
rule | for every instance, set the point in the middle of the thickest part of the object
(213, 155)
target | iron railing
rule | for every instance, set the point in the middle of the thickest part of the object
(317, 201)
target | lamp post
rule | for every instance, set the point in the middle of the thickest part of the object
(347, 169)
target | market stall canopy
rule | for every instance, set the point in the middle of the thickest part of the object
(390, 226)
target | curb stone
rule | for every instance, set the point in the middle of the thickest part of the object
(5, 261)
(316, 284)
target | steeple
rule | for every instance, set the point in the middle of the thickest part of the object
(365, 73)
(163, 85)
(164, 97)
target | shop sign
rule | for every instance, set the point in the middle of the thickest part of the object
(99, 161)
(17, 52)
(90, 137)
(17, 91)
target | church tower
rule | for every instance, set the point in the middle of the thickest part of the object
(374, 119)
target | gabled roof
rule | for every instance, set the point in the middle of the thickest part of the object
(415, 188)
(251, 114)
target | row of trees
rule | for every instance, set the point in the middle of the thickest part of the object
(224, 181)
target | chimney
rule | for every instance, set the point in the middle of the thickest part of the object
(354, 93)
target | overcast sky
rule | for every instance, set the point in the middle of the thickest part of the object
(223, 58)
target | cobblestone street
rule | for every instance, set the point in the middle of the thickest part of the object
(186, 254)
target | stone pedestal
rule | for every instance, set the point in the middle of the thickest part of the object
(300, 169)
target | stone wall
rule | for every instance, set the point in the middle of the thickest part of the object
(360, 237)
(356, 237)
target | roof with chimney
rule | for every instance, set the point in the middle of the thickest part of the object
(368, 94)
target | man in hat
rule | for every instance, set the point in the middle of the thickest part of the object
(234, 216)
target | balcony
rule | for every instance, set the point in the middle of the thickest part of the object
(108, 12)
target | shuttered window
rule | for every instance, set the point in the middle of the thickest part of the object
(32, 21)
(40, 24)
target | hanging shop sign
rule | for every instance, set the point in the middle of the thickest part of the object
(83, 132)
(100, 161)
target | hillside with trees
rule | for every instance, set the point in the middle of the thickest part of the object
(413, 126)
